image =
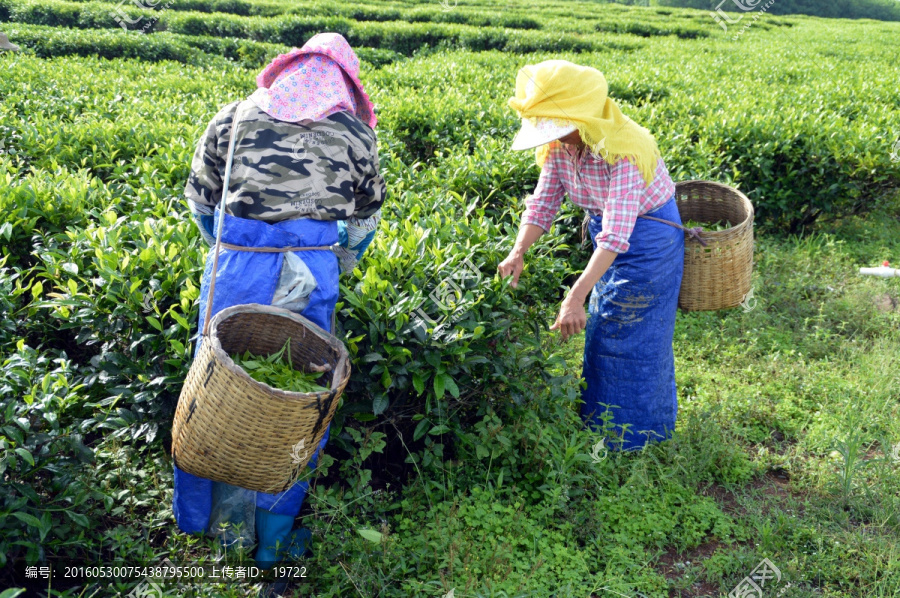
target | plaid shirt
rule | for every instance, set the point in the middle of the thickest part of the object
(616, 191)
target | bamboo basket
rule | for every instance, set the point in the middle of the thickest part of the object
(717, 276)
(230, 428)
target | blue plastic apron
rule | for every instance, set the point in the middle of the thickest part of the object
(251, 277)
(628, 357)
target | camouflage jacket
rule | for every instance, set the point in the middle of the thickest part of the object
(324, 170)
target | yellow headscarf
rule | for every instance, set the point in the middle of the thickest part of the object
(577, 96)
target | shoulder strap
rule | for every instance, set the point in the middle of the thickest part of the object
(235, 122)
(693, 233)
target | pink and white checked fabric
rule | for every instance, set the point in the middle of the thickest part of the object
(616, 191)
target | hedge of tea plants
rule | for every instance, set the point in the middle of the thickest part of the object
(885, 10)
(401, 36)
(451, 384)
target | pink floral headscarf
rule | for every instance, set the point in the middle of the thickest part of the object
(313, 82)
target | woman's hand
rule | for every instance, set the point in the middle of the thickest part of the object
(513, 264)
(515, 261)
(571, 319)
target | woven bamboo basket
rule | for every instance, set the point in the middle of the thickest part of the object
(230, 428)
(717, 276)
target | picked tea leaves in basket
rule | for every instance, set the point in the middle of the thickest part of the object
(277, 370)
(719, 225)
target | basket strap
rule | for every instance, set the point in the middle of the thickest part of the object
(238, 113)
(693, 233)
(275, 249)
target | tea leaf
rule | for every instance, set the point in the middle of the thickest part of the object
(371, 535)
(278, 371)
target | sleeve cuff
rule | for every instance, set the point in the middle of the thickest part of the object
(197, 207)
(206, 225)
(612, 244)
(534, 218)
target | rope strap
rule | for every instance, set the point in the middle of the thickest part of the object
(238, 113)
(274, 249)
(693, 233)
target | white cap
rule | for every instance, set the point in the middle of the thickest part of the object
(6, 45)
(543, 131)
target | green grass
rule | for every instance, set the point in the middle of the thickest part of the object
(804, 387)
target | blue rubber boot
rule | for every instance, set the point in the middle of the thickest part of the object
(277, 539)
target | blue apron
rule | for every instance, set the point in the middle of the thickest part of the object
(629, 362)
(251, 277)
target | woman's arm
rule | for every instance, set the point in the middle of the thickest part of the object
(515, 261)
(357, 232)
(572, 319)
(204, 218)
(354, 236)
(619, 216)
(204, 185)
(540, 209)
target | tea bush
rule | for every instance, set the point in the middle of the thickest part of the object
(45, 455)
(847, 9)
(47, 42)
(402, 37)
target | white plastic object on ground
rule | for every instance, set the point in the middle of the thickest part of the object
(881, 271)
